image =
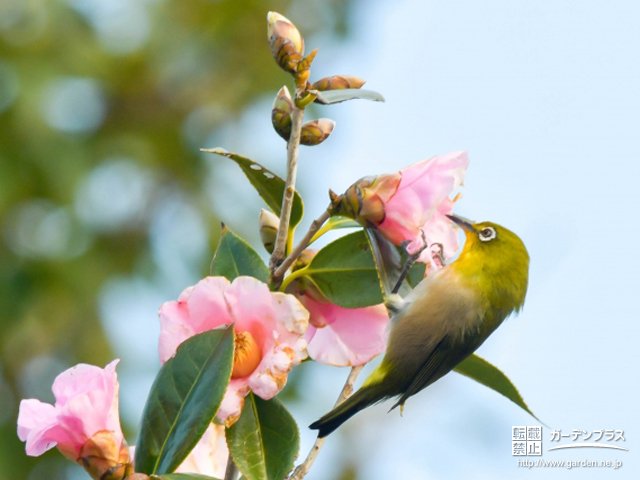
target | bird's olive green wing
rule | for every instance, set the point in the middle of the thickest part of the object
(443, 358)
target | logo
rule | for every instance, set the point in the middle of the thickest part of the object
(527, 441)
(579, 438)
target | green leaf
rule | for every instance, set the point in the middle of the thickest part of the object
(388, 260)
(184, 398)
(391, 262)
(344, 272)
(264, 442)
(416, 274)
(329, 97)
(335, 222)
(268, 185)
(182, 476)
(235, 257)
(481, 371)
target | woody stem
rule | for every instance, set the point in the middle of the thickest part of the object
(304, 243)
(302, 469)
(293, 146)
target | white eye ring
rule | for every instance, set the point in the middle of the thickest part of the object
(487, 234)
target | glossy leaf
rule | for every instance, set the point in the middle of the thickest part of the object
(234, 257)
(344, 272)
(265, 441)
(481, 371)
(329, 97)
(391, 262)
(335, 222)
(268, 185)
(183, 400)
(416, 274)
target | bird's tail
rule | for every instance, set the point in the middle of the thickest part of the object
(365, 396)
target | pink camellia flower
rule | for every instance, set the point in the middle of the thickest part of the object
(209, 456)
(83, 423)
(337, 335)
(269, 333)
(344, 336)
(406, 204)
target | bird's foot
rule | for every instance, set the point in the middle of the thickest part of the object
(394, 303)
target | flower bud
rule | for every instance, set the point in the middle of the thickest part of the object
(335, 202)
(338, 82)
(269, 224)
(287, 45)
(303, 259)
(106, 457)
(281, 113)
(364, 201)
(316, 131)
(303, 70)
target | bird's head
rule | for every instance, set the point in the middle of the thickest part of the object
(497, 252)
(490, 238)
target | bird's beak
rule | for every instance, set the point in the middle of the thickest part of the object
(462, 222)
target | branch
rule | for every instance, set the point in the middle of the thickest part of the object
(293, 145)
(302, 469)
(304, 243)
(231, 471)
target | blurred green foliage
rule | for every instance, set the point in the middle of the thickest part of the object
(103, 106)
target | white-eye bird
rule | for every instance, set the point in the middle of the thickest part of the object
(448, 315)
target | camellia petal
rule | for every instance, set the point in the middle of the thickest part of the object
(269, 329)
(86, 406)
(423, 188)
(345, 336)
(293, 316)
(439, 233)
(209, 456)
(233, 401)
(174, 328)
(251, 306)
(206, 305)
(407, 204)
(199, 308)
(35, 421)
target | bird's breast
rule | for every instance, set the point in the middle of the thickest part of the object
(440, 306)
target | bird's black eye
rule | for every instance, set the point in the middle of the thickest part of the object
(487, 234)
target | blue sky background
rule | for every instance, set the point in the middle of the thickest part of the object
(545, 98)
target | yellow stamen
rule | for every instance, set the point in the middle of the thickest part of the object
(247, 355)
